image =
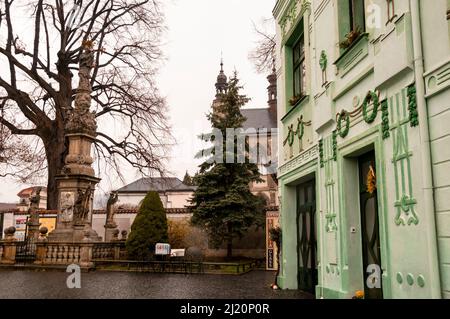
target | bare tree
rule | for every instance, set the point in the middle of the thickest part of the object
(37, 73)
(263, 54)
(24, 161)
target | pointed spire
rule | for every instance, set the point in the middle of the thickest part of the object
(272, 91)
(222, 81)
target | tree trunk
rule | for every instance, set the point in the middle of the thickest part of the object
(55, 149)
(230, 241)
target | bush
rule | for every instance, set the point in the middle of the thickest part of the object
(178, 232)
(149, 227)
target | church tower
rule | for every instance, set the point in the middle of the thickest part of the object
(221, 87)
(272, 93)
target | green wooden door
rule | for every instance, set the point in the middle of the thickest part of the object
(370, 228)
(306, 237)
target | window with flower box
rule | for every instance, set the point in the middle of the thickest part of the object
(296, 66)
(351, 22)
(299, 68)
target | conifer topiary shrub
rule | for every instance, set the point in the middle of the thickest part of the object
(149, 227)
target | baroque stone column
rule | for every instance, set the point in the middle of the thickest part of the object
(110, 224)
(33, 222)
(77, 181)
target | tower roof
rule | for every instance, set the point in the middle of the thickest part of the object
(272, 78)
(222, 81)
(221, 78)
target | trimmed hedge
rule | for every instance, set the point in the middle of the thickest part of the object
(149, 227)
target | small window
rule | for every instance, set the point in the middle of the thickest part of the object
(351, 22)
(357, 15)
(299, 69)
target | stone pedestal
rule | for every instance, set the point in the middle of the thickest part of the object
(9, 247)
(9, 253)
(41, 246)
(33, 228)
(86, 251)
(79, 230)
(86, 255)
(111, 233)
(68, 229)
(33, 231)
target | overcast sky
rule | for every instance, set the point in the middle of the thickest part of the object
(198, 31)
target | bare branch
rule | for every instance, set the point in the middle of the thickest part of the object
(39, 85)
(263, 54)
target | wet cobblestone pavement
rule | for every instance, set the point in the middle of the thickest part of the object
(126, 285)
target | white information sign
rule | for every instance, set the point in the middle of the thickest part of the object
(162, 249)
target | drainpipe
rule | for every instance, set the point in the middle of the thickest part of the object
(425, 147)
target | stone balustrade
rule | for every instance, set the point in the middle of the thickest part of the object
(58, 253)
(108, 251)
(82, 253)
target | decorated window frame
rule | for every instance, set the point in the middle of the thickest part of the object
(296, 66)
(351, 22)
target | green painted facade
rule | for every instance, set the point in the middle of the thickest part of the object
(375, 95)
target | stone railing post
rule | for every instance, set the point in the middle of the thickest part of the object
(86, 255)
(9, 247)
(116, 251)
(86, 251)
(41, 246)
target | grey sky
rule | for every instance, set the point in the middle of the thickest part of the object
(199, 30)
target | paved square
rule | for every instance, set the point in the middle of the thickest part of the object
(123, 285)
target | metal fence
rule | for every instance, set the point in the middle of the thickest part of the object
(26, 251)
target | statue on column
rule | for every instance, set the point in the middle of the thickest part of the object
(80, 118)
(33, 221)
(35, 198)
(110, 211)
(77, 180)
(82, 205)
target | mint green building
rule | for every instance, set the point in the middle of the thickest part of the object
(364, 173)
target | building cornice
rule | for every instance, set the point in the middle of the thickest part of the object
(172, 211)
(159, 192)
(279, 8)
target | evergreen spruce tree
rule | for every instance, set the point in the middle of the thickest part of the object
(187, 180)
(223, 204)
(149, 227)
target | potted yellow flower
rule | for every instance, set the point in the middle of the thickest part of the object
(358, 295)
